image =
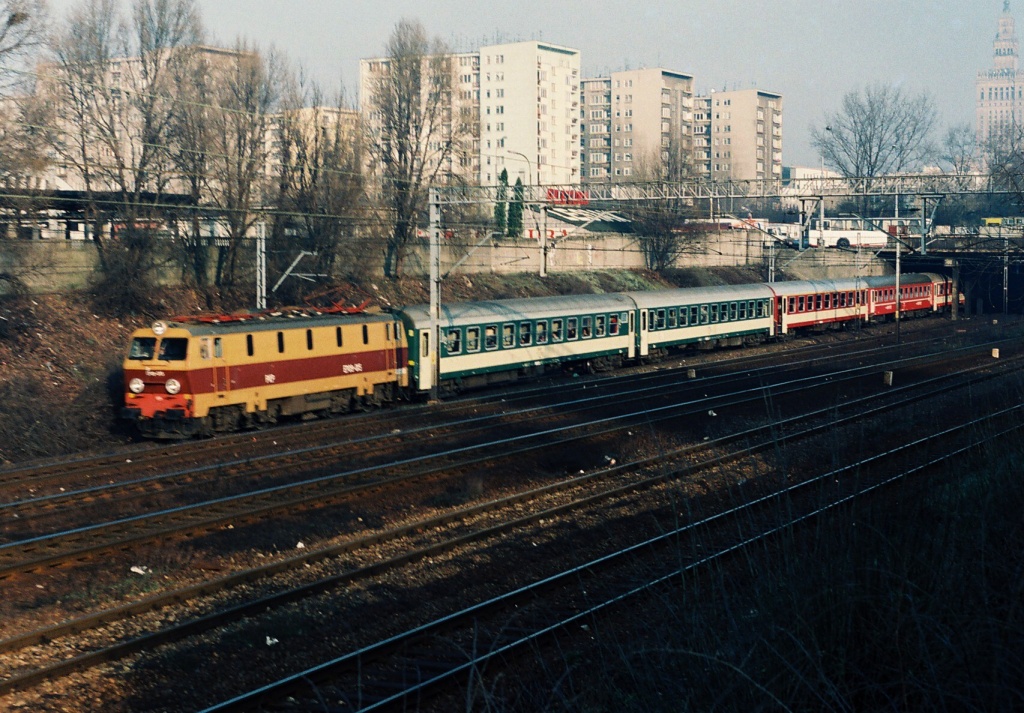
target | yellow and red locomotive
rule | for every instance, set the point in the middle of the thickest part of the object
(199, 375)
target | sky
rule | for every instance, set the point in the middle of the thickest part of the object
(813, 52)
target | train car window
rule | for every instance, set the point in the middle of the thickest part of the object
(204, 349)
(453, 341)
(556, 330)
(799, 304)
(661, 319)
(491, 337)
(827, 301)
(652, 320)
(743, 310)
(703, 314)
(366, 334)
(672, 318)
(570, 331)
(508, 336)
(542, 332)
(142, 348)
(732, 311)
(173, 348)
(714, 313)
(473, 339)
(280, 342)
(817, 301)
(309, 339)
(682, 316)
(337, 335)
(585, 331)
(426, 346)
(760, 304)
(694, 315)
(599, 325)
(218, 348)
(613, 324)
(249, 349)
(387, 332)
(525, 334)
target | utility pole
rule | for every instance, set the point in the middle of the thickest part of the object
(435, 291)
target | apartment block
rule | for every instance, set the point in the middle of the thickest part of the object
(514, 107)
(637, 125)
(744, 135)
(529, 113)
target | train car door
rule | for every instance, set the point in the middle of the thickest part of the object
(221, 370)
(631, 331)
(425, 361)
(642, 332)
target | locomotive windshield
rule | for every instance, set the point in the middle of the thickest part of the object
(173, 348)
(142, 348)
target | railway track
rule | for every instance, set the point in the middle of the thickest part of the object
(826, 419)
(412, 664)
(459, 446)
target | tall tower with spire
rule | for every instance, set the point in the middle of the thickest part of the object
(1000, 91)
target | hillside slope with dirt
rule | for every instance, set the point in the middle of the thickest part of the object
(60, 359)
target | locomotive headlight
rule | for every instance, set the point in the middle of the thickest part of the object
(173, 386)
(136, 386)
(159, 328)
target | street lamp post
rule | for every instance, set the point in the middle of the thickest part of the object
(542, 232)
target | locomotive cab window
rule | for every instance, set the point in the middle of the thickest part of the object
(173, 348)
(473, 339)
(142, 348)
(218, 348)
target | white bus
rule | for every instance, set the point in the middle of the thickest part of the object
(855, 232)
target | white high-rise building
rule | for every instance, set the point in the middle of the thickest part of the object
(529, 113)
(520, 101)
(1000, 90)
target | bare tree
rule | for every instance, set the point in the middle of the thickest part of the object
(246, 94)
(661, 226)
(413, 135)
(113, 86)
(322, 197)
(878, 130)
(959, 149)
(22, 29)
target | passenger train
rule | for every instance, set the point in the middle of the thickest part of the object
(199, 375)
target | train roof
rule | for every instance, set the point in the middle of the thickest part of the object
(266, 322)
(699, 295)
(494, 311)
(847, 284)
